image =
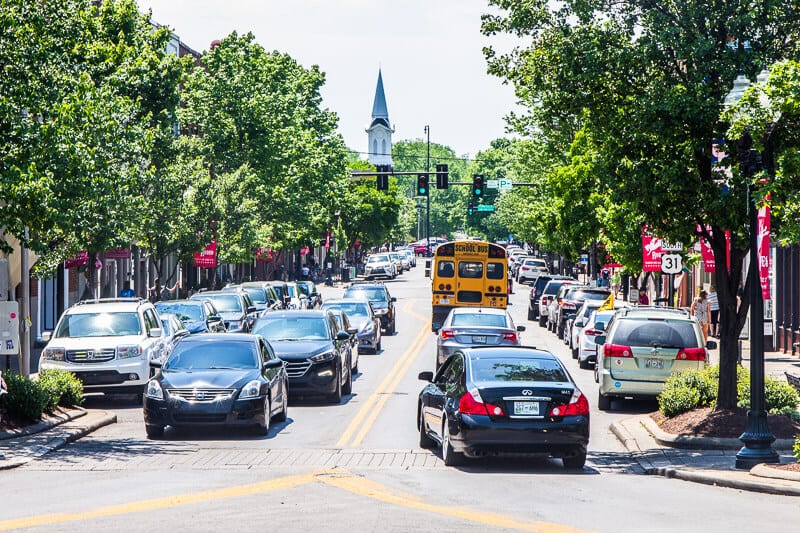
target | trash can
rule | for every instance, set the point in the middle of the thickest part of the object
(345, 275)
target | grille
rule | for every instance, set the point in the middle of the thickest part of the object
(297, 368)
(200, 418)
(91, 356)
(201, 395)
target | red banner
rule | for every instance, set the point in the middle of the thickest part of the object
(208, 257)
(651, 252)
(80, 259)
(305, 250)
(327, 240)
(762, 239)
(709, 263)
(118, 253)
(265, 255)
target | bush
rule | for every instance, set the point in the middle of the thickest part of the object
(797, 449)
(779, 396)
(689, 390)
(62, 388)
(25, 400)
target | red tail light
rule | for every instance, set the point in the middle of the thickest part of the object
(441, 286)
(592, 332)
(578, 406)
(568, 305)
(472, 404)
(447, 333)
(616, 350)
(512, 336)
(448, 287)
(692, 354)
(491, 289)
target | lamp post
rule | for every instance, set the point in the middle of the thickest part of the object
(428, 196)
(757, 438)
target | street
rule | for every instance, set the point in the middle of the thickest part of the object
(357, 466)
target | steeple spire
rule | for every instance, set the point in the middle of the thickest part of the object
(379, 105)
(379, 133)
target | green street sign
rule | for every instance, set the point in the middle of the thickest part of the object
(486, 208)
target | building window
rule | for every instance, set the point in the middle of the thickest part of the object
(375, 146)
(383, 147)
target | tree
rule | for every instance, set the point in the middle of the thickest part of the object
(647, 81)
(367, 214)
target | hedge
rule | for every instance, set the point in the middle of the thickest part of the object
(27, 399)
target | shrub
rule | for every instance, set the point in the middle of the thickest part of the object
(62, 388)
(797, 449)
(685, 391)
(25, 399)
(779, 396)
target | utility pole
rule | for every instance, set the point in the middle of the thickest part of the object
(428, 215)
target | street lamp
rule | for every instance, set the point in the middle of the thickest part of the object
(757, 438)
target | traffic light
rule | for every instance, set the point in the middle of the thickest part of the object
(383, 171)
(422, 185)
(441, 177)
(477, 185)
(470, 208)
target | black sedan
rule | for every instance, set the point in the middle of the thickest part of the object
(217, 379)
(316, 350)
(496, 400)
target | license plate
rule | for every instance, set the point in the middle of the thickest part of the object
(444, 301)
(479, 339)
(526, 408)
(654, 363)
(494, 303)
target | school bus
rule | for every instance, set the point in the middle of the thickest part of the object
(468, 274)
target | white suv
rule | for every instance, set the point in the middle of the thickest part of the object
(108, 344)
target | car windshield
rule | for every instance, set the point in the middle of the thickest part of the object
(377, 259)
(279, 290)
(350, 309)
(186, 312)
(517, 369)
(212, 356)
(225, 303)
(479, 319)
(292, 290)
(287, 328)
(99, 325)
(303, 288)
(552, 288)
(258, 294)
(371, 294)
(664, 333)
(587, 295)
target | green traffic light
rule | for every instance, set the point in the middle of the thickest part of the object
(422, 191)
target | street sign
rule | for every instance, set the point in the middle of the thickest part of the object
(504, 185)
(491, 184)
(671, 263)
(584, 258)
(671, 246)
(485, 208)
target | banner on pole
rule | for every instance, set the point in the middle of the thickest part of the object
(762, 239)
(208, 257)
(651, 252)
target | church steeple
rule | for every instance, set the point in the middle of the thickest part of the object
(380, 130)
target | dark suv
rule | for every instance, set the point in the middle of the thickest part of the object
(382, 302)
(570, 303)
(536, 293)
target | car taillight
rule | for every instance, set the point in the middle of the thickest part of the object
(578, 405)
(568, 305)
(447, 333)
(592, 332)
(524, 268)
(692, 354)
(616, 350)
(511, 336)
(472, 404)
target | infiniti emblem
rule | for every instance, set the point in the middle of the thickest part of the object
(527, 392)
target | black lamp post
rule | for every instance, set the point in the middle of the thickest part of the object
(757, 438)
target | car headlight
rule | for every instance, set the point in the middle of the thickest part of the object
(234, 324)
(369, 327)
(251, 390)
(125, 352)
(381, 311)
(54, 354)
(154, 390)
(327, 356)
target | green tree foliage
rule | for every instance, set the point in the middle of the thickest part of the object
(367, 214)
(646, 81)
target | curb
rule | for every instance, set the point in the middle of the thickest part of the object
(765, 471)
(721, 481)
(51, 422)
(701, 443)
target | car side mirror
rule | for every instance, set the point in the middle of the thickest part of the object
(580, 323)
(215, 318)
(273, 363)
(155, 332)
(342, 336)
(46, 336)
(521, 328)
(394, 299)
(251, 310)
(426, 376)
(711, 345)
(600, 339)
(155, 363)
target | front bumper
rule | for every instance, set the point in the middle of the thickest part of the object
(319, 378)
(368, 340)
(478, 436)
(118, 375)
(174, 411)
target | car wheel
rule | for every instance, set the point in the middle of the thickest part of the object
(574, 353)
(347, 388)
(378, 347)
(281, 417)
(262, 430)
(575, 462)
(424, 440)
(603, 401)
(542, 321)
(336, 397)
(154, 431)
(596, 373)
(584, 364)
(449, 455)
(392, 326)
(531, 315)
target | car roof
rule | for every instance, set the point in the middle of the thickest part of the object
(478, 310)
(212, 337)
(181, 302)
(305, 313)
(107, 305)
(330, 301)
(508, 351)
(645, 312)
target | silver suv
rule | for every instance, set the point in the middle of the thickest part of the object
(108, 344)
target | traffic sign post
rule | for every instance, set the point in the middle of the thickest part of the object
(671, 264)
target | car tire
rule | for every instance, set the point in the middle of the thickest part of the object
(284, 414)
(575, 353)
(583, 364)
(596, 373)
(449, 455)
(603, 401)
(424, 440)
(531, 315)
(336, 397)
(392, 327)
(542, 321)
(262, 430)
(154, 431)
(378, 347)
(347, 388)
(575, 462)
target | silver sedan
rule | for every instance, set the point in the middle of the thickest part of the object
(474, 326)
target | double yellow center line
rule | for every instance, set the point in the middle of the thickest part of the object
(366, 416)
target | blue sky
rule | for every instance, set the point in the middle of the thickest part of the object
(434, 72)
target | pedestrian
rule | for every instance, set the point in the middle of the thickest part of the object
(701, 312)
(643, 299)
(713, 305)
(154, 292)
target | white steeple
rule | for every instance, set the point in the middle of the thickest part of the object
(379, 133)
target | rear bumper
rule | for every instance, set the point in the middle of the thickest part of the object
(635, 389)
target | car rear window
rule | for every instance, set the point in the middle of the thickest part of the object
(552, 287)
(664, 333)
(479, 319)
(517, 369)
(587, 295)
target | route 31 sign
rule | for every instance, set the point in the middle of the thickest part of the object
(671, 263)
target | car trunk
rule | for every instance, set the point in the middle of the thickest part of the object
(525, 400)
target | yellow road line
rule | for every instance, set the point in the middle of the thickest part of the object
(162, 503)
(376, 491)
(366, 409)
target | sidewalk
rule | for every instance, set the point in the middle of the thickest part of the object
(24, 445)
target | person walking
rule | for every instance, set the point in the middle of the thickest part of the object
(713, 305)
(701, 312)
(643, 299)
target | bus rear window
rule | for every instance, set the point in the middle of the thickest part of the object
(445, 269)
(470, 269)
(495, 270)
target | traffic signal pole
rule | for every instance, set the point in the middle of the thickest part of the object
(428, 196)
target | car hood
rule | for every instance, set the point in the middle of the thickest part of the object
(232, 315)
(299, 350)
(212, 379)
(95, 343)
(360, 323)
(196, 326)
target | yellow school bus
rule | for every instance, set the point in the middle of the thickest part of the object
(468, 274)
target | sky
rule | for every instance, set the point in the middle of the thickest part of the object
(429, 51)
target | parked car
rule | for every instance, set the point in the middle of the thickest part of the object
(282, 290)
(379, 265)
(361, 315)
(408, 253)
(317, 352)
(382, 302)
(199, 316)
(537, 288)
(309, 290)
(548, 295)
(576, 323)
(344, 325)
(586, 340)
(397, 261)
(498, 400)
(643, 347)
(263, 294)
(217, 379)
(515, 257)
(474, 326)
(235, 307)
(531, 268)
(173, 330)
(108, 344)
(296, 299)
(568, 304)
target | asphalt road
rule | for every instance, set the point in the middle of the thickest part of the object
(357, 467)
